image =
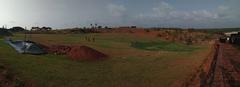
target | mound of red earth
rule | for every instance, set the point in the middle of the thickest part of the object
(85, 53)
(59, 49)
(77, 53)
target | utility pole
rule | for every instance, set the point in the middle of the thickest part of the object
(25, 39)
(30, 35)
(25, 35)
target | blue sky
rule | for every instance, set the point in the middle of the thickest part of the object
(143, 13)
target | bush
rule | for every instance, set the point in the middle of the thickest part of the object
(189, 41)
(17, 29)
(4, 33)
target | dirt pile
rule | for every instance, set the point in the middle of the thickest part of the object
(59, 49)
(77, 53)
(85, 53)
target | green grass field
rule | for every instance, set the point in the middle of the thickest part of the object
(127, 66)
(163, 46)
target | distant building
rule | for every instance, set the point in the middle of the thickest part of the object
(133, 26)
(230, 33)
(231, 37)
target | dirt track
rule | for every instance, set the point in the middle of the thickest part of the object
(226, 73)
(221, 69)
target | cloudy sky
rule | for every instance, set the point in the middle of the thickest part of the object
(144, 13)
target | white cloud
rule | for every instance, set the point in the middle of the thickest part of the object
(223, 8)
(162, 10)
(165, 13)
(116, 10)
(204, 14)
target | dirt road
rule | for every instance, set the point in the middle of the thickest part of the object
(227, 69)
(221, 69)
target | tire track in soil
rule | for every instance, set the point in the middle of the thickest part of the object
(221, 70)
(226, 71)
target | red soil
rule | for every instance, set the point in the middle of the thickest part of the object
(227, 67)
(85, 53)
(77, 53)
(220, 70)
(59, 49)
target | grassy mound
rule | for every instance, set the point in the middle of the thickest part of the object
(162, 46)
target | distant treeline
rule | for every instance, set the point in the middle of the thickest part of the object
(206, 30)
(5, 32)
(9, 32)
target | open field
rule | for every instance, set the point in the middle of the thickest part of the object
(127, 66)
(120, 43)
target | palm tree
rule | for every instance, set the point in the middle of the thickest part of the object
(91, 25)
